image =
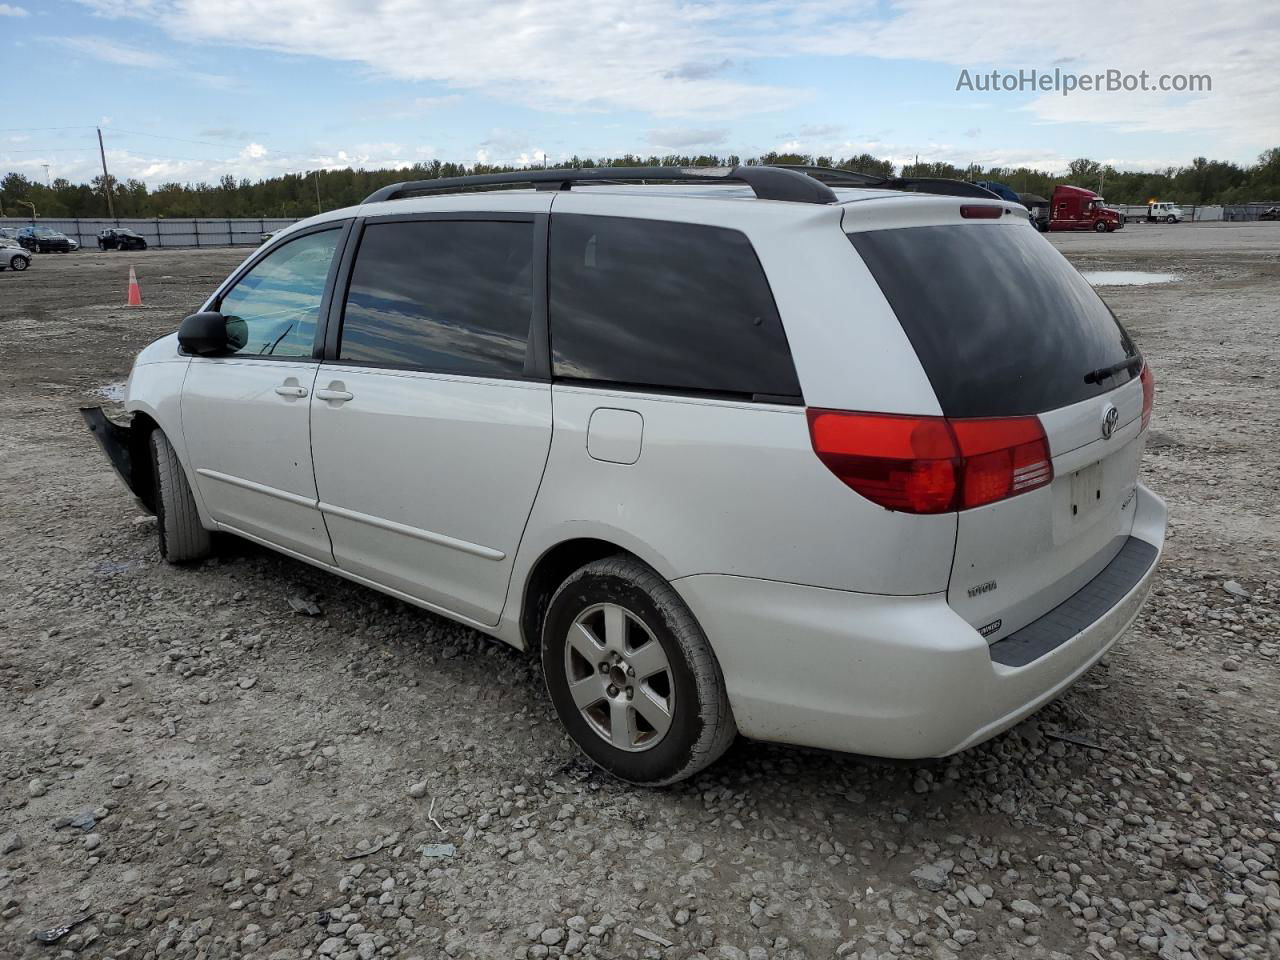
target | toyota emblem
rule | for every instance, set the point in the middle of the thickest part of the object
(1110, 417)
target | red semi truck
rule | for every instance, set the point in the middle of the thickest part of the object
(1075, 208)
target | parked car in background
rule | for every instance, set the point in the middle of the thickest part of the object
(44, 240)
(9, 233)
(266, 237)
(13, 257)
(1271, 213)
(710, 449)
(121, 238)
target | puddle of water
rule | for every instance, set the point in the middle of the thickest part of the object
(1126, 278)
(111, 391)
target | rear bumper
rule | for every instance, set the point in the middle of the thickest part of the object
(890, 676)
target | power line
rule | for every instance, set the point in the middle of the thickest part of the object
(18, 129)
(160, 136)
(145, 155)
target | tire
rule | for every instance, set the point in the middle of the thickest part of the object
(1171, 219)
(678, 680)
(182, 538)
(18, 264)
(1100, 227)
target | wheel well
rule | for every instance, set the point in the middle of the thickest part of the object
(551, 570)
(140, 458)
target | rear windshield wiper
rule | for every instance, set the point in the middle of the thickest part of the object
(1128, 363)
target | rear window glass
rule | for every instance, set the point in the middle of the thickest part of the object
(676, 306)
(1002, 323)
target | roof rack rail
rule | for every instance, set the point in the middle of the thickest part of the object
(840, 177)
(836, 176)
(767, 182)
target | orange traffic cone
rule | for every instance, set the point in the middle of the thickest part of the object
(135, 291)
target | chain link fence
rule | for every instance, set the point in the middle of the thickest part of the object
(176, 232)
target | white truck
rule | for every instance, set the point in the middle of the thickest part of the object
(1161, 212)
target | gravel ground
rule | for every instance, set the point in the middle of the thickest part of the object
(190, 769)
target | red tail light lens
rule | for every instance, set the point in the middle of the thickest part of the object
(932, 464)
(981, 211)
(1148, 393)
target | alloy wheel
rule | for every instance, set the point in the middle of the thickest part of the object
(619, 677)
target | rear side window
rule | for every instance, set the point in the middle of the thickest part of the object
(1002, 323)
(669, 305)
(449, 296)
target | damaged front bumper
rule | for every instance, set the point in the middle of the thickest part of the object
(119, 444)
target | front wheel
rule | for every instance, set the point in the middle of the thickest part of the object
(632, 676)
(182, 538)
(1100, 227)
(19, 263)
(1171, 219)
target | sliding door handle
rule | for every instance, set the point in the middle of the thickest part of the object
(335, 392)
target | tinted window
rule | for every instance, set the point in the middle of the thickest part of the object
(670, 305)
(448, 296)
(1002, 323)
(273, 309)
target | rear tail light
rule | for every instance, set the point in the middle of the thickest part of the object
(981, 211)
(932, 464)
(1148, 393)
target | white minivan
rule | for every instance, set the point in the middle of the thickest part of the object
(731, 451)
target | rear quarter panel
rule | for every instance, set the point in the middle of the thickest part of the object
(727, 487)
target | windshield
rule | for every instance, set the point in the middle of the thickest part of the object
(45, 232)
(1003, 325)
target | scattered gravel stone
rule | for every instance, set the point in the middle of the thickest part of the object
(933, 876)
(1233, 588)
(272, 825)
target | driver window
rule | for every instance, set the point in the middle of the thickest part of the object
(272, 311)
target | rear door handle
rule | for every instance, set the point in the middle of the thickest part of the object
(336, 391)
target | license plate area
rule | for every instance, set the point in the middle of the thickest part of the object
(1086, 491)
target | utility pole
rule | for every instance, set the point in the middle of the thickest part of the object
(47, 182)
(106, 177)
(315, 175)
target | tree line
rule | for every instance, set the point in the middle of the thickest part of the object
(1203, 181)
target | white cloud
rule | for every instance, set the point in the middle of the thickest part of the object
(109, 51)
(662, 57)
(254, 151)
(1235, 45)
(674, 58)
(681, 138)
(9, 10)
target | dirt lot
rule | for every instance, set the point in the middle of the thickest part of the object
(248, 782)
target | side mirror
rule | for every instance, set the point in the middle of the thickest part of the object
(204, 334)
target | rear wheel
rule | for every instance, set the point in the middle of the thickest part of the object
(182, 538)
(632, 676)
